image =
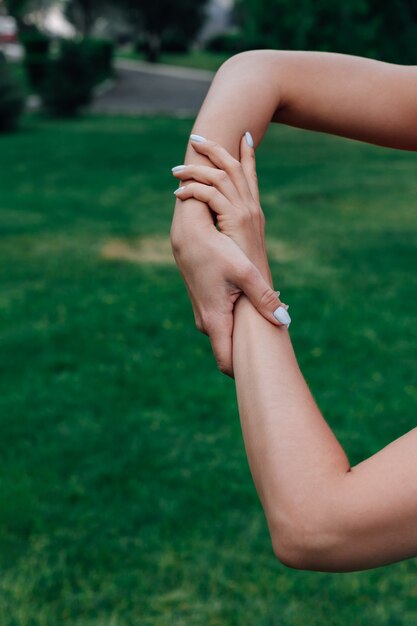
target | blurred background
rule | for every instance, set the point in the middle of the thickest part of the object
(126, 497)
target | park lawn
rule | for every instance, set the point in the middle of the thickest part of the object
(126, 497)
(197, 59)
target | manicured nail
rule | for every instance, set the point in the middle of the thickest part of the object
(278, 293)
(178, 168)
(282, 316)
(198, 138)
(249, 139)
(178, 190)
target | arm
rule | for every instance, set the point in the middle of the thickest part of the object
(322, 514)
(351, 96)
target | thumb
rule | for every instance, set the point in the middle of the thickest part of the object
(264, 298)
(248, 163)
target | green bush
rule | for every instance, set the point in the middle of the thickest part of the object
(100, 54)
(234, 42)
(140, 45)
(11, 98)
(173, 41)
(37, 46)
(69, 80)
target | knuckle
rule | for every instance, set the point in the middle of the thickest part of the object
(222, 175)
(256, 213)
(243, 218)
(235, 165)
(268, 299)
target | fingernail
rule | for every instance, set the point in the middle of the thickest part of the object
(278, 293)
(178, 168)
(178, 190)
(282, 316)
(249, 139)
(198, 138)
(286, 306)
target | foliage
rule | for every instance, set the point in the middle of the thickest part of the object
(37, 48)
(198, 59)
(17, 8)
(100, 56)
(363, 27)
(11, 97)
(156, 20)
(126, 494)
(233, 42)
(84, 13)
(69, 80)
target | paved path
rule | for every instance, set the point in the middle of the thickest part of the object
(142, 88)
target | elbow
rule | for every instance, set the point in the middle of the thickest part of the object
(290, 549)
(305, 545)
(253, 62)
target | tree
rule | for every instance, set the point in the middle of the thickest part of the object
(18, 9)
(157, 19)
(84, 13)
(385, 30)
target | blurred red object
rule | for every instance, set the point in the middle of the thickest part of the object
(8, 30)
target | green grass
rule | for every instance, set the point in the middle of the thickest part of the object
(126, 497)
(198, 59)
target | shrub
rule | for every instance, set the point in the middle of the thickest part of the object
(36, 46)
(69, 80)
(234, 42)
(171, 41)
(11, 98)
(99, 53)
(174, 41)
(141, 44)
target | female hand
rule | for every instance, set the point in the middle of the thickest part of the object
(231, 191)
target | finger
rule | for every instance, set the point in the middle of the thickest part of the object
(263, 297)
(220, 333)
(222, 159)
(210, 195)
(248, 162)
(209, 176)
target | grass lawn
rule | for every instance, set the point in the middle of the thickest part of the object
(198, 59)
(126, 498)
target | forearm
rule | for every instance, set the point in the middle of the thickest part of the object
(297, 464)
(341, 94)
(351, 96)
(241, 97)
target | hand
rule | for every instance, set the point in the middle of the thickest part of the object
(216, 271)
(231, 190)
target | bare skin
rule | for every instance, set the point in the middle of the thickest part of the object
(350, 96)
(322, 514)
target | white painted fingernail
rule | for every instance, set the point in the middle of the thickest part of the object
(278, 293)
(179, 189)
(178, 168)
(249, 139)
(198, 138)
(282, 316)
